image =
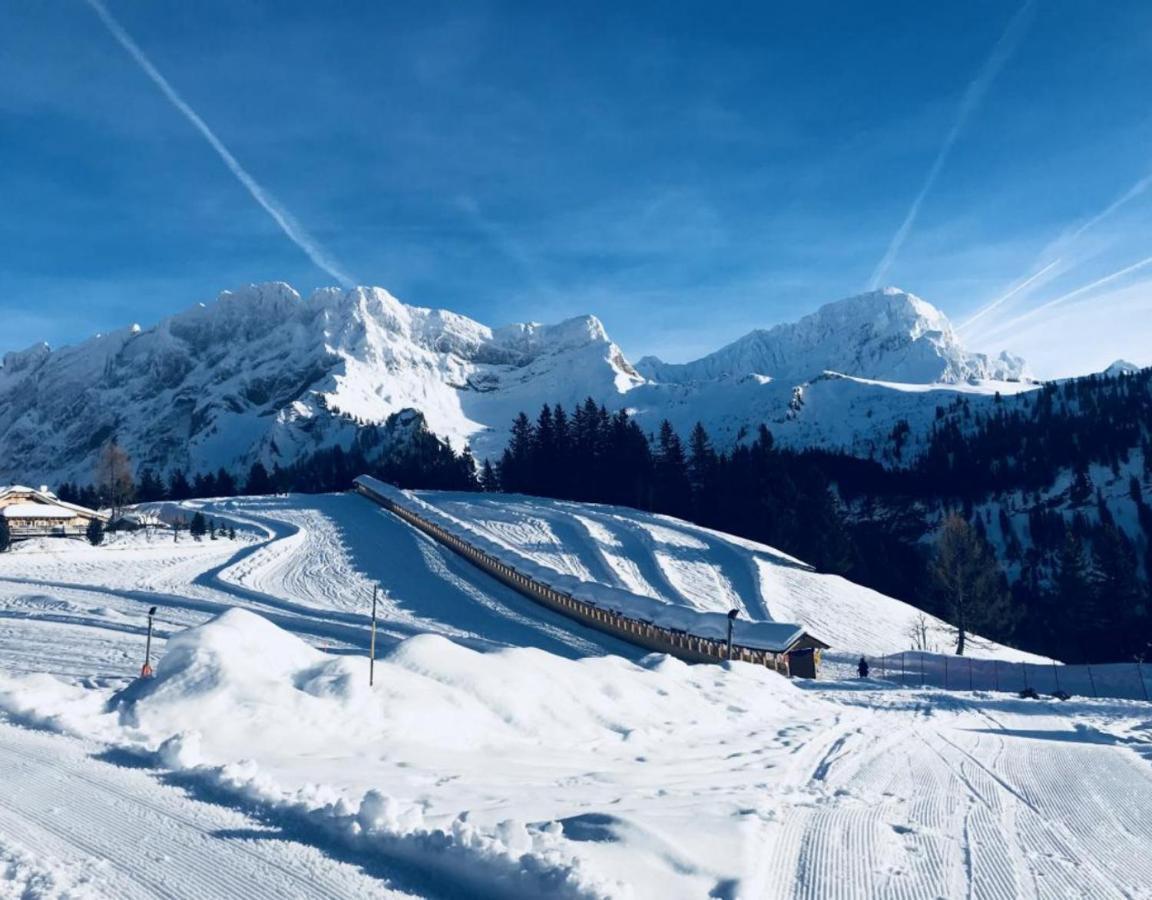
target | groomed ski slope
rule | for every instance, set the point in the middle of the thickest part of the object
(683, 564)
(491, 758)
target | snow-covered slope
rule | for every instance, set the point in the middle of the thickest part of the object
(262, 374)
(480, 763)
(686, 565)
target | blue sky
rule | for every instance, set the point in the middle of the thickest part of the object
(687, 172)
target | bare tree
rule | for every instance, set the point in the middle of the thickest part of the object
(918, 632)
(114, 477)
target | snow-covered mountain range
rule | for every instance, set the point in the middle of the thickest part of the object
(265, 374)
(886, 335)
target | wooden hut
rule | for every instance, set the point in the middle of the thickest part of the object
(40, 513)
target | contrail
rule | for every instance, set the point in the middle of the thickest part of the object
(973, 96)
(1027, 282)
(294, 231)
(1131, 194)
(1064, 298)
(510, 246)
(1065, 243)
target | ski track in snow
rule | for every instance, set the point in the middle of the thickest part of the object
(850, 791)
(86, 827)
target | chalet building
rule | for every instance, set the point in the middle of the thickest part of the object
(40, 513)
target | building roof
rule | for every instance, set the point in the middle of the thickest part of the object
(42, 498)
(36, 511)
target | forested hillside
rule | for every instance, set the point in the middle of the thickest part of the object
(1053, 483)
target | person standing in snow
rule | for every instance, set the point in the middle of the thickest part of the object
(862, 667)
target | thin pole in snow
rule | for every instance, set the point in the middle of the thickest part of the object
(1056, 674)
(1091, 680)
(146, 669)
(372, 642)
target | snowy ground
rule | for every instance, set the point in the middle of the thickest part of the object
(501, 753)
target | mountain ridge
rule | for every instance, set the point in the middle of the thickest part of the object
(892, 336)
(266, 374)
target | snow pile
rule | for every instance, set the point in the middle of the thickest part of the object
(298, 736)
(24, 876)
(41, 701)
(241, 679)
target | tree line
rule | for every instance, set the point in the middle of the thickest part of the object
(1074, 586)
(422, 461)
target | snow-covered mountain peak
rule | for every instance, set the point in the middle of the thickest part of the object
(1121, 367)
(887, 335)
(29, 358)
(262, 373)
(532, 337)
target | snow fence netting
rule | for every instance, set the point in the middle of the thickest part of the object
(1122, 681)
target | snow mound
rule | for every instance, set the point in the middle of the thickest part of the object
(244, 682)
(300, 737)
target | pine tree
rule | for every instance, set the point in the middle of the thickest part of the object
(1081, 489)
(95, 532)
(149, 487)
(225, 483)
(544, 456)
(516, 464)
(488, 480)
(1115, 586)
(673, 491)
(198, 527)
(259, 482)
(204, 485)
(178, 486)
(969, 582)
(1072, 596)
(702, 472)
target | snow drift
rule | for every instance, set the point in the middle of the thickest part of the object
(241, 707)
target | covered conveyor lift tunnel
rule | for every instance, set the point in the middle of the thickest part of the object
(642, 621)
